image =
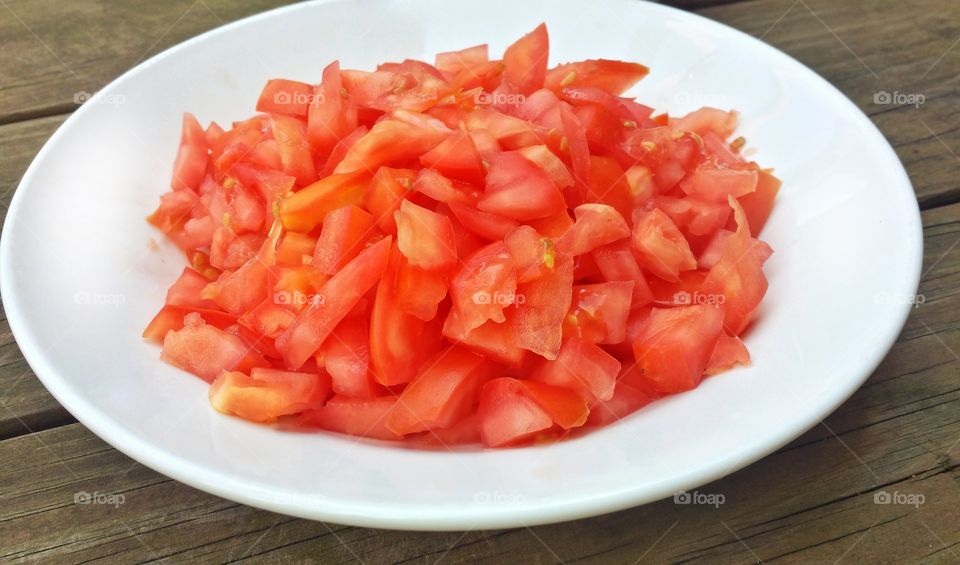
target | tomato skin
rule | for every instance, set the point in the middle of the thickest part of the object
(583, 368)
(340, 294)
(288, 97)
(508, 414)
(488, 226)
(518, 189)
(610, 76)
(425, 237)
(341, 238)
(353, 416)
(306, 208)
(660, 247)
(758, 204)
(525, 61)
(675, 345)
(205, 351)
(442, 393)
(267, 394)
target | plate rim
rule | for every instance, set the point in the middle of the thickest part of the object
(213, 481)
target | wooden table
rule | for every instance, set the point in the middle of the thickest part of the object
(814, 500)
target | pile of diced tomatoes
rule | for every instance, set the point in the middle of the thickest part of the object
(471, 251)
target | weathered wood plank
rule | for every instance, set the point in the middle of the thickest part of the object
(813, 500)
(53, 52)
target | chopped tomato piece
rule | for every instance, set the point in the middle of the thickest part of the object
(675, 345)
(508, 414)
(582, 367)
(525, 62)
(614, 77)
(267, 394)
(660, 247)
(729, 353)
(596, 225)
(281, 96)
(205, 350)
(354, 416)
(425, 237)
(344, 232)
(518, 189)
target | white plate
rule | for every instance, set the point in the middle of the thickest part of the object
(80, 281)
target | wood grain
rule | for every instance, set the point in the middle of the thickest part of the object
(812, 500)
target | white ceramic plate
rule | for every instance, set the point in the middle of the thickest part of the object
(80, 280)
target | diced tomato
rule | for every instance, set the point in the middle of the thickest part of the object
(596, 225)
(518, 189)
(660, 247)
(445, 391)
(525, 62)
(341, 293)
(738, 275)
(205, 350)
(282, 96)
(536, 323)
(295, 157)
(267, 394)
(617, 263)
(354, 416)
(425, 238)
(344, 232)
(346, 357)
(478, 250)
(306, 209)
(405, 135)
(508, 414)
(191, 163)
(758, 204)
(582, 367)
(675, 345)
(729, 353)
(599, 312)
(385, 192)
(399, 341)
(614, 77)
(330, 116)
